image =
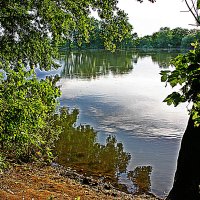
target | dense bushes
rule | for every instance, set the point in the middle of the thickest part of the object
(27, 106)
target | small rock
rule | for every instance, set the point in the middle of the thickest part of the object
(85, 181)
(107, 186)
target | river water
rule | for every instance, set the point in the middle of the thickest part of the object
(121, 94)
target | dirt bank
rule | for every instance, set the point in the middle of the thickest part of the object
(40, 182)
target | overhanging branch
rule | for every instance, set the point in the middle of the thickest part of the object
(192, 12)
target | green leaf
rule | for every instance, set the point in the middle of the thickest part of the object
(198, 4)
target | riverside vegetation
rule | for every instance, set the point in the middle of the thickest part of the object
(32, 33)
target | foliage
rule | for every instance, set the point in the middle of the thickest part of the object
(97, 38)
(189, 39)
(27, 105)
(187, 75)
(167, 38)
(32, 30)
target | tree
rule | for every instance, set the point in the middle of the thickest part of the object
(96, 35)
(187, 177)
(145, 42)
(187, 75)
(31, 32)
(26, 109)
(177, 35)
(166, 38)
(194, 35)
(163, 39)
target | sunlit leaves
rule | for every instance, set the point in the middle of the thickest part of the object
(186, 75)
(34, 30)
(164, 75)
(174, 98)
(26, 105)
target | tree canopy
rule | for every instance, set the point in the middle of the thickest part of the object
(96, 38)
(31, 31)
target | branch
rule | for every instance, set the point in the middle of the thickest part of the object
(195, 9)
(196, 17)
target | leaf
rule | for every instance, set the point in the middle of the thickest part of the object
(198, 4)
(174, 98)
(164, 75)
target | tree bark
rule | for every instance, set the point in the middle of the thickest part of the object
(187, 176)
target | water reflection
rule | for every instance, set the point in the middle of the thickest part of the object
(129, 105)
(141, 178)
(77, 148)
(92, 64)
(161, 58)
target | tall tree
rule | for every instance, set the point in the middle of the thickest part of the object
(187, 75)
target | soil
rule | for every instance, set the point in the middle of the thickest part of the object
(41, 182)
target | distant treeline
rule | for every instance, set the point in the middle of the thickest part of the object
(165, 38)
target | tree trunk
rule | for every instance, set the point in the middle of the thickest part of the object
(187, 176)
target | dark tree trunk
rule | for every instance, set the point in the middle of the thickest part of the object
(187, 177)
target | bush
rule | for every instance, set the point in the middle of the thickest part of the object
(27, 106)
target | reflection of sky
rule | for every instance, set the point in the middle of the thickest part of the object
(130, 106)
(42, 73)
(136, 97)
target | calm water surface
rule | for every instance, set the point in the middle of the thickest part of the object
(121, 94)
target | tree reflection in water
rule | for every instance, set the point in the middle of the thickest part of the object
(78, 148)
(141, 179)
(92, 64)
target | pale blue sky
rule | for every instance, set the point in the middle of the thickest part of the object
(147, 18)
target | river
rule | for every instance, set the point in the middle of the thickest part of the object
(120, 94)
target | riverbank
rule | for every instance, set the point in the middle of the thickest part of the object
(41, 182)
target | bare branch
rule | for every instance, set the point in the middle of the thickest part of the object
(190, 9)
(194, 7)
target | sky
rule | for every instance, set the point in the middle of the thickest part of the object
(148, 17)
